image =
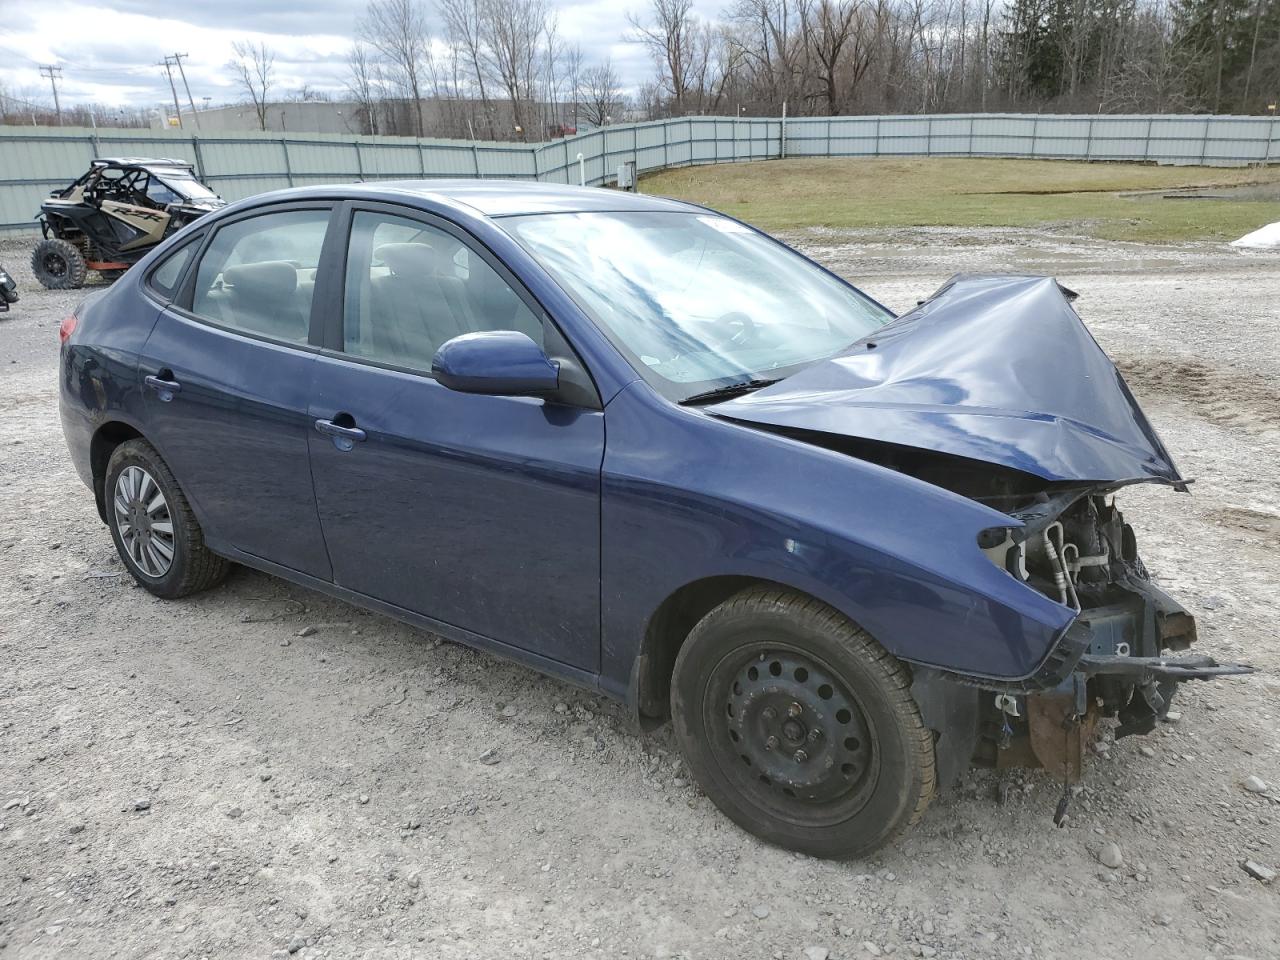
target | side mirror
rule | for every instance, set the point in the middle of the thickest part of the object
(501, 363)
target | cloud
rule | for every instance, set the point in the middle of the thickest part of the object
(109, 52)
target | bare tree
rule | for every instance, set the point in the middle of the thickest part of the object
(573, 69)
(397, 29)
(362, 84)
(836, 43)
(669, 35)
(254, 66)
(513, 32)
(463, 31)
(601, 94)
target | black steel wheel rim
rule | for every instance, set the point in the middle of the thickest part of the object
(786, 729)
(55, 264)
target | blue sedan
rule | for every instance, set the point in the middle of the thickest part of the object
(646, 448)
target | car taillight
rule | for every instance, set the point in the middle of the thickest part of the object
(67, 327)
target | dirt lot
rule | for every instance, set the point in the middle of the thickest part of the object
(259, 770)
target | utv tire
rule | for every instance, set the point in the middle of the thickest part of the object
(800, 727)
(154, 530)
(58, 264)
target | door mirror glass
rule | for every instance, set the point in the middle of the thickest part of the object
(504, 363)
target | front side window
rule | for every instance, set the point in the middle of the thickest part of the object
(411, 287)
(258, 275)
(185, 186)
(698, 301)
(160, 192)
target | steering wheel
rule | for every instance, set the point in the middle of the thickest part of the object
(745, 332)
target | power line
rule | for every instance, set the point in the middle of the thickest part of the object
(54, 74)
(167, 63)
(177, 58)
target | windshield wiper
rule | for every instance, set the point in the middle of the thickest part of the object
(728, 392)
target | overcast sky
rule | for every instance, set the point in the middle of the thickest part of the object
(108, 51)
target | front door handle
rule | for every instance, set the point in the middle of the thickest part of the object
(344, 438)
(163, 384)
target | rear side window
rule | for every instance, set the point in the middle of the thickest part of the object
(164, 278)
(258, 275)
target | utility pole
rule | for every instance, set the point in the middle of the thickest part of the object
(167, 63)
(177, 58)
(54, 74)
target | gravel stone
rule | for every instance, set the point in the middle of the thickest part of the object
(1109, 855)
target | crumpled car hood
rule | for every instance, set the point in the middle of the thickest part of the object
(992, 368)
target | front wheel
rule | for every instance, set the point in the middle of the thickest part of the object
(58, 264)
(800, 727)
(154, 530)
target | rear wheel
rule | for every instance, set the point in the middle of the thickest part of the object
(154, 530)
(58, 264)
(800, 727)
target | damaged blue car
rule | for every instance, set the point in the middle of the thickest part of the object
(648, 449)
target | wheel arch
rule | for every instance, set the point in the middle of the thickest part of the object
(668, 628)
(103, 443)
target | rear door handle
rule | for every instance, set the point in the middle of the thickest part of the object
(165, 388)
(343, 437)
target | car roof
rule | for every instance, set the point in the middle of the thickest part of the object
(505, 198)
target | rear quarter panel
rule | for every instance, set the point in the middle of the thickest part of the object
(98, 367)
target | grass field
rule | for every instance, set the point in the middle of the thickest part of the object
(1089, 198)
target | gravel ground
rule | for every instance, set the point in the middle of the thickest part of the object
(259, 769)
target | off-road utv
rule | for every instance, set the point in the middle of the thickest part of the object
(113, 215)
(8, 291)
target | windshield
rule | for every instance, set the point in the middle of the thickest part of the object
(698, 301)
(187, 186)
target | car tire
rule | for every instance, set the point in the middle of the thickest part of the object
(159, 540)
(800, 727)
(58, 264)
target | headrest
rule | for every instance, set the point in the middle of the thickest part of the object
(273, 279)
(408, 259)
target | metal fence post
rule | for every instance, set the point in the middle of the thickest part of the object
(877, 148)
(359, 160)
(475, 160)
(1146, 145)
(970, 153)
(1204, 141)
(666, 161)
(422, 162)
(195, 148)
(1035, 134)
(1088, 144)
(1271, 136)
(928, 138)
(288, 167)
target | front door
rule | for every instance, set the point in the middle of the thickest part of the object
(481, 512)
(227, 373)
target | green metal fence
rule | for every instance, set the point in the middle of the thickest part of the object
(35, 160)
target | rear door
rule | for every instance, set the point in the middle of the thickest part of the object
(479, 511)
(227, 373)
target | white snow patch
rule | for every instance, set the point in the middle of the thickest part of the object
(1264, 238)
